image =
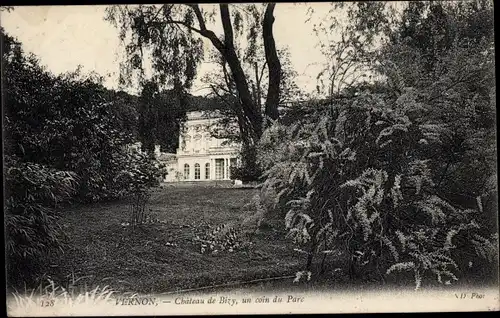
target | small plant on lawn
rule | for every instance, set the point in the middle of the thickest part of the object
(140, 173)
(138, 214)
(221, 238)
(257, 212)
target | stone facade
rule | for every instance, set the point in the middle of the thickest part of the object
(200, 157)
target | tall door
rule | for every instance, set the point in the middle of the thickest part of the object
(219, 169)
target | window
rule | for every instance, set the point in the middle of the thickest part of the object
(219, 169)
(186, 171)
(207, 171)
(197, 171)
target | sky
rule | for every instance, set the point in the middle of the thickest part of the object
(64, 37)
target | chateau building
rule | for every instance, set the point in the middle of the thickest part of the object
(200, 156)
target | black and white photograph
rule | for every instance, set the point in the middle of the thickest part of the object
(249, 158)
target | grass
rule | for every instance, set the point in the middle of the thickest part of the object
(163, 257)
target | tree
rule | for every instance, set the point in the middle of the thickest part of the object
(160, 118)
(125, 107)
(172, 34)
(400, 176)
(223, 89)
(349, 44)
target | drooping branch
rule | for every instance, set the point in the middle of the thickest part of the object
(273, 62)
(186, 25)
(209, 34)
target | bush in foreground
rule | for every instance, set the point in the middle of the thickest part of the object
(33, 192)
(63, 143)
(361, 182)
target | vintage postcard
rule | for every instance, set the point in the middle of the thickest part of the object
(227, 158)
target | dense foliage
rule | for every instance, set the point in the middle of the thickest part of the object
(161, 114)
(32, 191)
(65, 140)
(400, 175)
(360, 185)
(251, 172)
(171, 37)
(393, 177)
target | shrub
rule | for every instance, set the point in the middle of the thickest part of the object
(249, 171)
(245, 174)
(360, 179)
(137, 171)
(220, 239)
(63, 143)
(69, 122)
(32, 195)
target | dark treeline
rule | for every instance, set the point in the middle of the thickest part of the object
(66, 141)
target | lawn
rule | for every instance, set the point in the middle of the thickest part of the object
(164, 256)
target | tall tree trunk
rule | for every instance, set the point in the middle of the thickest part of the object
(249, 107)
(249, 116)
(228, 51)
(273, 63)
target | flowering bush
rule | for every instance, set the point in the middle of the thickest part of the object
(358, 178)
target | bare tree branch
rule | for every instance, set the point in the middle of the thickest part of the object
(262, 71)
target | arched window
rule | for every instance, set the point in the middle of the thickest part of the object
(186, 171)
(197, 171)
(207, 171)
